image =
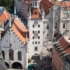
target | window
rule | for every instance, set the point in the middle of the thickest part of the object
(35, 42)
(3, 53)
(47, 34)
(64, 25)
(11, 54)
(33, 37)
(55, 23)
(33, 25)
(35, 12)
(47, 26)
(55, 27)
(36, 48)
(19, 55)
(38, 37)
(33, 31)
(38, 25)
(38, 31)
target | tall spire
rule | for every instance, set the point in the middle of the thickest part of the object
(14, 9)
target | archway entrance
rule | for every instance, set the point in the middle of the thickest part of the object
(7, 65)
(17, 65)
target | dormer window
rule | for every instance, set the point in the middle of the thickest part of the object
(35, 12)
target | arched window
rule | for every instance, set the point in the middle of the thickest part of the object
(19, 55)
(3, 54)
(11, 54)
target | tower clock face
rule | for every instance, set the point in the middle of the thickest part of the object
(35, 22)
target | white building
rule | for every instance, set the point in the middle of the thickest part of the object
(13, 43)
(35, 25)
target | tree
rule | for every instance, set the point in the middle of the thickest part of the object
(8, 4)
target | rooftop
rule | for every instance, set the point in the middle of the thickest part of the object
(46, 4)
(62, 46)
(17, 26)
(4, 15)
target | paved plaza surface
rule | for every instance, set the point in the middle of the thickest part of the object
(45, 63)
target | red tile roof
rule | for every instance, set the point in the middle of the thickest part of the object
(46, 4)
(35, 13)
(65, 44)
(20, 30)
(4, 17)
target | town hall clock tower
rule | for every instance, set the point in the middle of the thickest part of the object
(35, 25)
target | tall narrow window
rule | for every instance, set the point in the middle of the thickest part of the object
(36, 48)
(3, 53)
(47, 26)
(33, 25)
(64, 25)
(35, 3)
(19, 55)
(38, 37)
(11, 54)
(38, 25)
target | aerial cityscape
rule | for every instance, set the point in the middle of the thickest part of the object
(35, 35)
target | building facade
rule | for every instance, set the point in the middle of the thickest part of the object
(13, 42)
(35, 25)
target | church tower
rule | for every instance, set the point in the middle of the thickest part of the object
(35, 25)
